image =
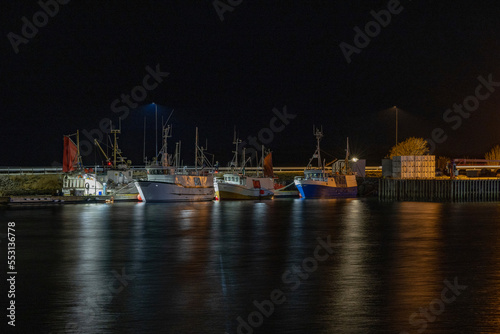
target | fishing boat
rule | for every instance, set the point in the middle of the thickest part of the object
(168, 182)
(237, 185)
(320, 183)
(115, 178)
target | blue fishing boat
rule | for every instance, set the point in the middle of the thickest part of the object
(320, 183)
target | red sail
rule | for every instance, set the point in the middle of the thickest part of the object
(69, 155)
(268, 165)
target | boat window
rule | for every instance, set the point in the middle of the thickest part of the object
(197, 181)
(256, 183)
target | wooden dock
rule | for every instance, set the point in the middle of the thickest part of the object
(440, 190)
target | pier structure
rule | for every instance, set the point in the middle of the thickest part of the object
(455, 190)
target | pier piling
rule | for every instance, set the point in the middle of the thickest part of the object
(477, 190)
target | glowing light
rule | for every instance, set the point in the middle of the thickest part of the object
(354, 159)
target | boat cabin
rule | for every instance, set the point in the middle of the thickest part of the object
(160, 170)
(316, 174)
(234, 179)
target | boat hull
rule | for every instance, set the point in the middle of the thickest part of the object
(156, 191)
(236, 192)
(312, 190)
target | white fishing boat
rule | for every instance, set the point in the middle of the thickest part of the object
(115, 178)
(237, 185)
(170, 183)
(320, 183)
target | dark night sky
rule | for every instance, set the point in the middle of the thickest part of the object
(264, 55)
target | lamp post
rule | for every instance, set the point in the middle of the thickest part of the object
(396, 124)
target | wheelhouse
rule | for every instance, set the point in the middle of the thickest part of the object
(316, 174)
(234, 179)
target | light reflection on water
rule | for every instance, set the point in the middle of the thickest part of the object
(192, 268)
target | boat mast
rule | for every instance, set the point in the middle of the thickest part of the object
(317, 154)
(346, 162)
(201, 159)
(236, 141)
(144, 159)
(243, 161)
(179, 157)
(114, 132)
(196, 151)
(78, 144)
(79, 161)
(262, 161)
(176, 157)
(319, 135)
(167, 133)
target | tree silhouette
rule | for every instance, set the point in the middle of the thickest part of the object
(411, 146)
(493, 154)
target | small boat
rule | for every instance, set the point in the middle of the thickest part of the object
(237, 185)
(168, 183)
(320, 183)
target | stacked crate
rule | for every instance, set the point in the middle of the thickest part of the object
(428, 167)
(407, 167)
(413, 167)
(396, 167)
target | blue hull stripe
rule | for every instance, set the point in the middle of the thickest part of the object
(319, 191)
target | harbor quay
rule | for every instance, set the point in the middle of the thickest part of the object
(456, 190)
(43, 184)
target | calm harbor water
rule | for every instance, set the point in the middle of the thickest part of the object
(278, 266)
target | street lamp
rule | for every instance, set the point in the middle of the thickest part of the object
(396, 124)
